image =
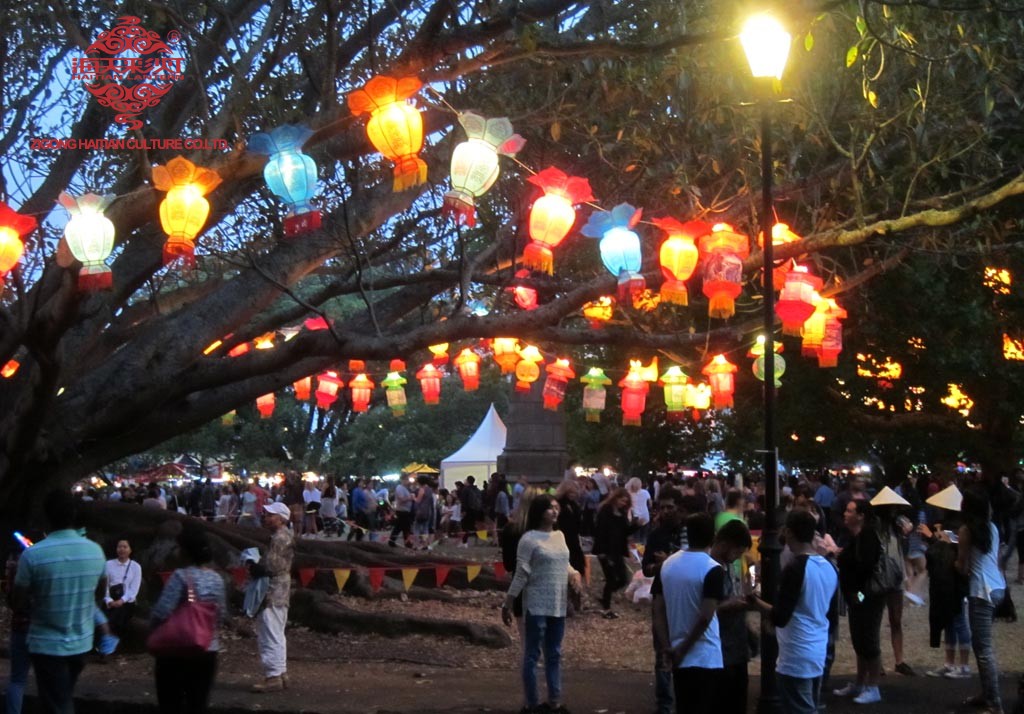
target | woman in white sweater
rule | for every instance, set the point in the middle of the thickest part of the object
(543, 576)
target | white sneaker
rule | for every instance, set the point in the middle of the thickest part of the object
(958, 673)
(942, 671)
(914, 599)
(850, 690)
(870, 695)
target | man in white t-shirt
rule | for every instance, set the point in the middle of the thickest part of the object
(805, 609)
(403, 515)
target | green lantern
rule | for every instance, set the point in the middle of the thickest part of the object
(394, 388)
(594, 394)
(674, 381)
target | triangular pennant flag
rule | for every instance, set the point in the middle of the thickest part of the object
(164, 575)
(376, 578)
(482, 534)
(409, 577)
(499, 570)
(306, 576)
(471, 572)
(441, 572)
(240, 576)
(341, 577)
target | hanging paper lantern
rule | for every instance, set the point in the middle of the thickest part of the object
(720, 373)
(599, 311)
(362, 390)
(723, 250)
(13, 229)
(228, 419)
(468, 364)
(265, 341)
(778, 365)
(356, 365)
(239, 350)
(184, 210)
(290, 174)
(303, 388)
(394, 388)
(634, 398)
(528, 368)
(816, 325)
(781, 235)
(698, 396)
(675, 382)
(559, 374)
(396, 127)
(832, 340)
(678, 257)
(315, 323)
(620, 246)
(797, 300)
(506, 353)
(10, 368)
(327, 386)
(475, 162)
(594, 394)
(90, 238)
(265, 405)
(552, 215)
(525, 297)
(430, 383)
(440, 352)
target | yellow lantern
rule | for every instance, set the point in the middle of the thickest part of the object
(440, 352)
(396, 127)
(506, 353)
(528, 369)
(184, 210)
(13, 229)
(720, 373)
(90, 237)
(678, 256)
(599, 311)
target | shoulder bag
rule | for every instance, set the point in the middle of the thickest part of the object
(189, 630)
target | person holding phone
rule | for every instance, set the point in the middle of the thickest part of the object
(124, 578)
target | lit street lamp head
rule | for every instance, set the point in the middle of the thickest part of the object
(766, 44)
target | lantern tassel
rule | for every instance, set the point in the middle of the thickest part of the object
(630, 421)
(182, 248)
(594, 417)
(410, 172)
(522, 386)
(721, 306)
(537, 256)
(460, 206)
(674, 292)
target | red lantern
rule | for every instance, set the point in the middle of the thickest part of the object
(265, 405)
(634, 398)
(797, 300)
(552, 215)
(720, 373)
(10, 368)
(303, 388)
(239, 350)
(723, 250)
(526, 297)
(559, 374)
(506, 353)
(832, 340)
(678, 257)
(468, 364)
(528, 368)
(327, 388)
(13, 229)
(316, 323)
(362, 390)
(430, 383)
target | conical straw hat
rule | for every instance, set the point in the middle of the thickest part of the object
(888, 497)
(948, 498)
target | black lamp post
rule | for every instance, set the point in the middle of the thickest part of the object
(766, 44)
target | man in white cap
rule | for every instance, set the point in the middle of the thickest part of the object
(272, 618)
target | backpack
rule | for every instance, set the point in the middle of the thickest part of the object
(473, 499)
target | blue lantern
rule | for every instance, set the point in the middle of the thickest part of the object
(620, 246)
(290, 174)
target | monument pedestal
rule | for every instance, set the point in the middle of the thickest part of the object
(535, 444)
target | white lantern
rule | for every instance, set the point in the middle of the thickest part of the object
(90, 237)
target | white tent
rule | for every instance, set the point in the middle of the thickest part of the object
(479, 455)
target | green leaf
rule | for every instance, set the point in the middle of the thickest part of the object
(851, 56)
(862, 26)
(809, 41)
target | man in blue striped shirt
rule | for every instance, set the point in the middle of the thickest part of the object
(57, 580)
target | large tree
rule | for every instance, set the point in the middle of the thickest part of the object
(901, 133)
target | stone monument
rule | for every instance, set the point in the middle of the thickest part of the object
(535, 445)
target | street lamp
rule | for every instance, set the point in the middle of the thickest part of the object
(766, 44)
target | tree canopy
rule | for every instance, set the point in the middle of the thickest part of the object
(896, 143)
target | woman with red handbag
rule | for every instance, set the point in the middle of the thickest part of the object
(193, 604)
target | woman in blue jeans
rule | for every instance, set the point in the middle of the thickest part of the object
(543, 575)
(978, 559)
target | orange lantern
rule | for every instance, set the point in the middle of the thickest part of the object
(303, 388)
(265, 341)
(10, 368)
(396, 127)
(814, 328)
(720, 373)
(781, 235)
(552, 215)
(723, 250)
(506, 353)
(327, 386)
(599, 311)
(528, 368)
(468, 364)
(356, 365)
(440, 352)
(559, 374)
(13, 229)
(797, 300)
(832, 340)
(362, 390)
(184, 209)
(526, 297)
(430, 383)
(239, 350)
(678, 257)
(265, 405)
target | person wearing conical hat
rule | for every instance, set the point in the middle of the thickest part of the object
(892, 528)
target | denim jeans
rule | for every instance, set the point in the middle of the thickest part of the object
(980, 613)
(798, 695)
(958, 632)
(20, 664)
(664, 698)
(547, 632)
